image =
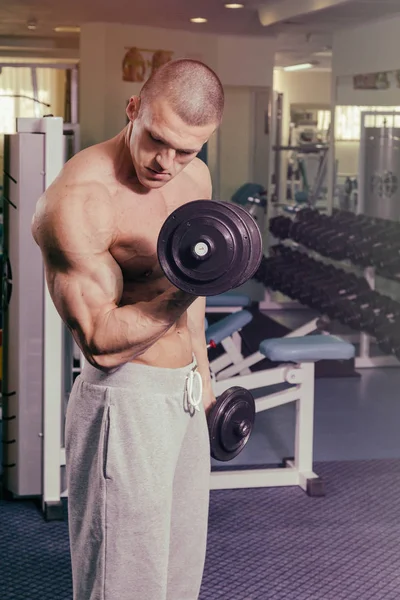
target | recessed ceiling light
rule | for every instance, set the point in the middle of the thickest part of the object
(67, 29)
(234, 5)
(198, 20)
(31, 24)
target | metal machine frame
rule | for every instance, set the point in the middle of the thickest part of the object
(33, 388)
(299, 470)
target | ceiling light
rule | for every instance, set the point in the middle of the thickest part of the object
(234, 5)
(198, 20)
(323, 53)
(67, 29)
(31, 24)
(301, 67)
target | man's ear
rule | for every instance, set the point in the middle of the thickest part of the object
(132, 110)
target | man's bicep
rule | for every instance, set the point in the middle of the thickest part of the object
(85, 293)
(74, 236)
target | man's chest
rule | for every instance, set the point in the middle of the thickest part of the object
(137, 225)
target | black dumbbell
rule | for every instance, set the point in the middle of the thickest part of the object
(386, 258)
(380, 311)
(207, 247)
(230, 423)
(333, 243)
(303, 230)
(387, 337)
(280, 227)
(307, 214)
(395, 345)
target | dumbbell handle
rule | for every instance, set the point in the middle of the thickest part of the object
(242, 428)
(203, 248)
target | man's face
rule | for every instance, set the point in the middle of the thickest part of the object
(161, 144)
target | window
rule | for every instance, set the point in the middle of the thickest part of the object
(348, 120)
(17, 94)
(324, 120)
(17, 97)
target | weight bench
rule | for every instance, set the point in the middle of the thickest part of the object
(229, 302)
(296, 357)
(226, 332)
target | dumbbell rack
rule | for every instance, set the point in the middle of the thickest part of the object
(364, 360)
(316, 251)
(274, 300)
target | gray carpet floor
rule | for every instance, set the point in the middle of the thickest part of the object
(264, 544)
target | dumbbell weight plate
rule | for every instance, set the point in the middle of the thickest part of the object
(207, 248)
(307, 214)
(255, 243)
(231, 422)
(280, 227)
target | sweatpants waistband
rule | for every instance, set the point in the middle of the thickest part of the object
(131, 374)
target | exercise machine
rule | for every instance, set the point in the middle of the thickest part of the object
(295, 357)
(37, 356)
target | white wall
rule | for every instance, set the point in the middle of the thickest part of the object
(92, 84)
(347, 154)
(346, 95)
(368, 48)
(245, 61)
(239, 61)
(303, 87)
(300, 87)
(235, 139)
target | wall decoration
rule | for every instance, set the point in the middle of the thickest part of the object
(371, 81)
(139, 63)
(384, 185)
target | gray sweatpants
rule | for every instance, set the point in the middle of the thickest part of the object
(138, 475)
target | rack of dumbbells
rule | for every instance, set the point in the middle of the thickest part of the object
(303, 266)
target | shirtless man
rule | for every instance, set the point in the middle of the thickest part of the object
(137, 445)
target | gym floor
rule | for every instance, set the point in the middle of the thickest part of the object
(272, 544)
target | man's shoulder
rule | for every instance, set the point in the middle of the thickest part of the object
(82, 176)
(199, 167)
(80, 181)
(200, 175)
(88, 164)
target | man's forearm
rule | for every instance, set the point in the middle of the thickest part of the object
(199, 346)
(196, 318)
(126, 332)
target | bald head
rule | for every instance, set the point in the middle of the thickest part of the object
(192, 90)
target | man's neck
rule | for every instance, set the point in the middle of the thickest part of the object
(124, 168)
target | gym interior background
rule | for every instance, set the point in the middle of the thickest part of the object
(309, 145)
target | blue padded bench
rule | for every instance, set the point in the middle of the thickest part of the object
(311, 348)
(296, 357)
(227, 326)
(227, 300)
